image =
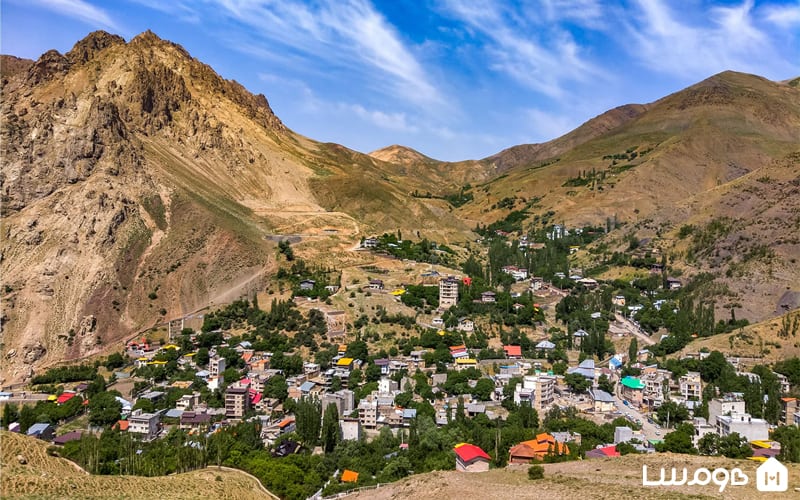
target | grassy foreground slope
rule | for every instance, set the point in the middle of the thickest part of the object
(596, 479)
(45, 476)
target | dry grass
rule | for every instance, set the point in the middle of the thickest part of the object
(44, 476)
(596, 479)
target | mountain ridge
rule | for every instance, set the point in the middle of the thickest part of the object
(138, 185)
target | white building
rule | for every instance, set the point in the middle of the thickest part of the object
(448, 292)
(538, 390)
(145, 424)
(726, 405)
(752, 429)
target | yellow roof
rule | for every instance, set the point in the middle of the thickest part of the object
(762, 444)
(171, 346)
(157, 363)
(142, 359)
(344, 362)
(757, 459)
(441, 333)
(189, 355)
(52, 397)
(399, 291)
(466, 361)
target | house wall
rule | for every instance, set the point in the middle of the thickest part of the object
(477, 465)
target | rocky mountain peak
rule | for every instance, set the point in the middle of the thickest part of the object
(93, 43)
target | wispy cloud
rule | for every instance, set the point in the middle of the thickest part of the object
(397, 121)
(726, 38)
(537, 54)
(349, 35)
(783, 16)
(80, 10)
(178, 9)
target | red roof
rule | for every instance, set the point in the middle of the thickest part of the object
(609, 451)
(64, 397)
(469, 452)
(513, 350)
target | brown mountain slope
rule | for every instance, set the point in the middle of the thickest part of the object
(138, 185)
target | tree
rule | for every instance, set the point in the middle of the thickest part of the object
(605, 384)
(330, 428)
(535, 472)
(104, 409)
(202, 357)
(276, 387)
(115, 360)
(673, 412)
(308, 419)
(577, 382)
(709, 444)
(484, 389)
(678, 441)
(789, 438)
(10, 414)
(734, 446)
(712, 367)
(633, 350)
(373, 373)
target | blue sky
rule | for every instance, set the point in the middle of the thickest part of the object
(454, 79)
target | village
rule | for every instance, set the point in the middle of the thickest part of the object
(460, 368)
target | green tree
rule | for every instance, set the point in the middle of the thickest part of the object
(373, 373)
(789, 438)
(308, 419)
(104, 409)
(633, 350)
(605, 384)
(535, 472)
(330, 428)
(577, 382)
(276, 387)
(735, 446)
(673, 412)
(679, 440)
(202, 357)
(10, 414)
(483, 389)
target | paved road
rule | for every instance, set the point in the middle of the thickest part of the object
(650, 430)
(26, 397)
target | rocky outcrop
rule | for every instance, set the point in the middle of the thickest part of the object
(94, 43)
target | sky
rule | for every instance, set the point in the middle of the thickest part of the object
(453, 79)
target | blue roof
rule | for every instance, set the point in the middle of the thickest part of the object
(616, 363)
(307, 386)
(203, 373)
(174, 413)
(37, 429)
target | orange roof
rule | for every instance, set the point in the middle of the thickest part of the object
(458, 347)
(544, 443)
(285, 422)
(342, 347)
(349, 476)
(247, 356)
(788, 399)
(513, 350)
(123, 425)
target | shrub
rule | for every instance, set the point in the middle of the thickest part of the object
(535, 472)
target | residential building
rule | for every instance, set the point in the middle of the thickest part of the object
(537, 390)
(216, 366)
(237, 402)
(448, 292)
(726, 405)
(369, 243)
(603, 401)
(632, 390)
(537, 283)
(536, 449)
(42, 431)
(344, 400)
(351, 429)
(465, 325)
(368, 413)
(752, 429)
(145, 424)
(488, 297)
(375, 284)
(470, 458)
(789, 408)
(701, 428)
(192, 420)
(691, 386)
(513, 351)
(603, 452)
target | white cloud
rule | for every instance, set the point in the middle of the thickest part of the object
(521, 43)
(730, 39)
(176, 8)
(81, 10)
(397, 122)
(350, 35)
(783, 16)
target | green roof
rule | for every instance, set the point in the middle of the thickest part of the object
(632, 383)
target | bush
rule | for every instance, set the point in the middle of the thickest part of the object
(535, 472)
